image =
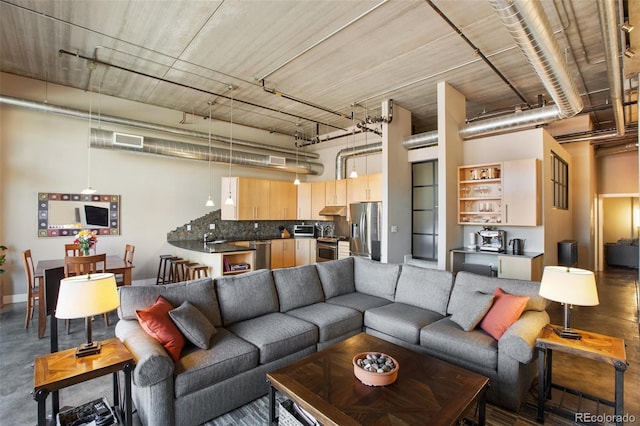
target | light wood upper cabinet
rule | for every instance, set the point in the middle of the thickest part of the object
(318, 199)
(365, 188)
(304, 201)
(283, 203)
(521, 193)
(336, 192)
(283, 253)
(250, 198)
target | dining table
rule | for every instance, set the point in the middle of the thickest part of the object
(114, 264)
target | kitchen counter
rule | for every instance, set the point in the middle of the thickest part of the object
(527, 254)
(210, 247)
(526, 266)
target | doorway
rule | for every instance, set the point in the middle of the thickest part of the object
(618, 220)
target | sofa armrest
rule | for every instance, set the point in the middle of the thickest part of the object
(519, 340)
(153, 363)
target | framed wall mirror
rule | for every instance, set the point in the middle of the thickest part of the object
(64, 215)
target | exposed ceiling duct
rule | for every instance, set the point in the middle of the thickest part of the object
(530, 29)
(618, 149)
(344, 154)
(75, 113)
(105, 139)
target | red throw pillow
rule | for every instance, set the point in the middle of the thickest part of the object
(506, 310)
(155, 320)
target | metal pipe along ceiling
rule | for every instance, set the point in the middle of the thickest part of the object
(104, 139)
(344, 154)
(75, 113)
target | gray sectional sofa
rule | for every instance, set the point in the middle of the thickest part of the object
(266, 319)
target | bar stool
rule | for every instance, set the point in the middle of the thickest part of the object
(171, 266)
(180, 272)
(165, 261)
(197, 271)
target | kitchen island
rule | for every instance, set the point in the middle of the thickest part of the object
(221, 258)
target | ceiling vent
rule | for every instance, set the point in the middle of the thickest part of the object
(131, 141)
(277, 161)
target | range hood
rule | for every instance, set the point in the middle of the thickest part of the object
(333, 211)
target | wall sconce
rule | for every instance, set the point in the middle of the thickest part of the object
(626, 27)
(629, 53)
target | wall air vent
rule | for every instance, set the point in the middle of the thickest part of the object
(131, 141)
(277, 161)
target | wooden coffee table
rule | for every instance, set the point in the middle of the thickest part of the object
(427, 391)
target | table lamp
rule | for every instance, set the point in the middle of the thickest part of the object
(84, 296)
(569, 286)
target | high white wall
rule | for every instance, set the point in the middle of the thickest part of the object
(42, 152)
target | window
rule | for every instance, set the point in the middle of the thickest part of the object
(560, 180)
(425, 210)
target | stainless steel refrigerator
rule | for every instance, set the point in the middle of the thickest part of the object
(365, 229)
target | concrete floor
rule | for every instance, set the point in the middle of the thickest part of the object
(617, 315)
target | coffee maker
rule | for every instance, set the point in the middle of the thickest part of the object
(492, 239)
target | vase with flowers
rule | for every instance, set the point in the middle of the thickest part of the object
(86, 240)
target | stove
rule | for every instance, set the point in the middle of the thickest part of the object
(327, 248)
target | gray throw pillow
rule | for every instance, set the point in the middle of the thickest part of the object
(193, 324)
(476, 306)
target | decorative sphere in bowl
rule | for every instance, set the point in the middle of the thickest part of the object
(375, 368)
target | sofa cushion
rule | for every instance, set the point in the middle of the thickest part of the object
(506, 310)
(475, 347)
(156, 322)
(193, 325)
(229, 355)
(336, 277)
(276, 335)
(297, 287)
(400, 320)
(200, 293)
(424, 288)
(358, 301)
(466, 281)
(246, 296)
(332, 320)
(375, 278)
(476, 305)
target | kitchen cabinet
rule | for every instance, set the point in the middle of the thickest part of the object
(283, 202)
(343, 249)
(250, 198)
(504, 193)
(336, 192)
(520, 268)
(283, 253)
(365, 188)
(318, 198)
(305, 251)
(304, 201)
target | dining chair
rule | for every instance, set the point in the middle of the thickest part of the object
(82, 265)
(32, 286)
(72, 249)
(128, 260)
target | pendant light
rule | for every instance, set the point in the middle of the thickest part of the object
(354, 173)
(89, 190)
(229, 200)
(209, 202)
(296, 181)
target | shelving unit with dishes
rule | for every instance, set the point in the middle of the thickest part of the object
(480, 194)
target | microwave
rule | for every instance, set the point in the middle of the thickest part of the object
(303, 231)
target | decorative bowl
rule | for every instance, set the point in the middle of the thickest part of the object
(374, 378)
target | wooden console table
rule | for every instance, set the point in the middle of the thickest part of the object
(597, 347)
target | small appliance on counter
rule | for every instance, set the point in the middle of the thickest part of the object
(517, 245)
(303, 231)
(492, 239)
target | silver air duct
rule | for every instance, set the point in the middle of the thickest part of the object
(341, 158)
(75, 113)
(105, 139)
(611, 41)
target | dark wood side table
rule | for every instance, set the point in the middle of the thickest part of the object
(62, 369)
(597, 347)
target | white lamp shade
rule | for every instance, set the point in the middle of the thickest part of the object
(86, 295)
(572, 286)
